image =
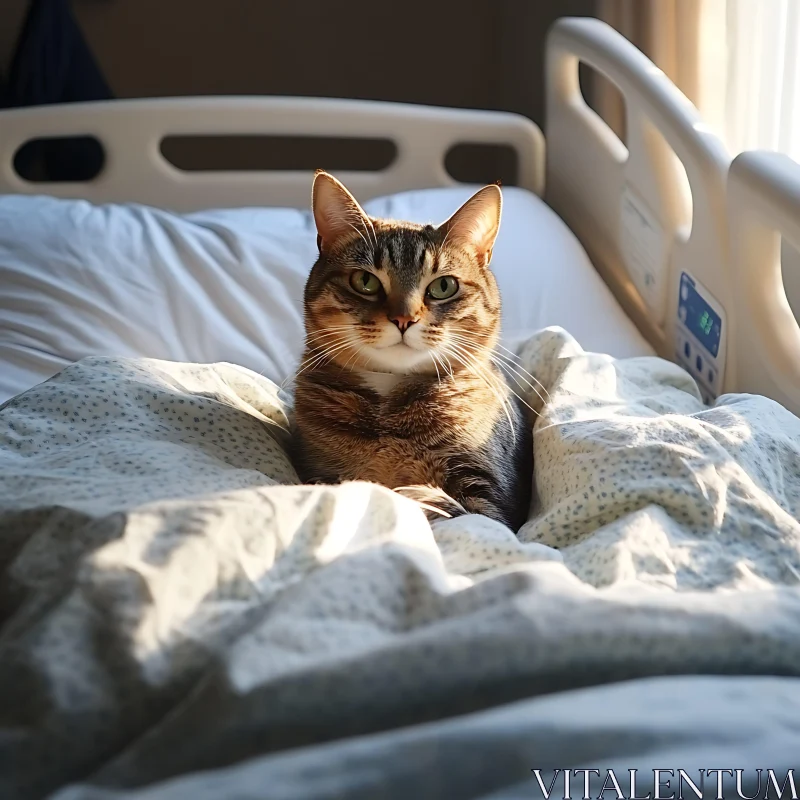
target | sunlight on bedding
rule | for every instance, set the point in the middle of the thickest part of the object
(178, 553)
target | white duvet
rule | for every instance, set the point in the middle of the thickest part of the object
(178, 613)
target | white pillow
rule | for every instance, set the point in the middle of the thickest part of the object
(227, 285)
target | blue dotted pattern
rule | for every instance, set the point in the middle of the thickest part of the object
(638, 480)
(175, 602)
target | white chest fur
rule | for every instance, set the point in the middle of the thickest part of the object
(381, 382)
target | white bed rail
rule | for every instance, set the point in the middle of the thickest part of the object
(131, 132)
(627, 203)
(764, 208)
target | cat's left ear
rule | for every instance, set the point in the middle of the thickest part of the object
(475, 225)
(336, 211)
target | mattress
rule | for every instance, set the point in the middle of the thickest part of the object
(80, 280)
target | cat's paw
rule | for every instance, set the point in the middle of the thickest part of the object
(435, 502)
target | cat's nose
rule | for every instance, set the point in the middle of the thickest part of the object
(403, 323)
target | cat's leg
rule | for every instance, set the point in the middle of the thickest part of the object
(438, 505)
(497, 486)
(435, 502)
(487, 507)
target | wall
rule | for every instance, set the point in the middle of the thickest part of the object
(466, 53)
(12, 13)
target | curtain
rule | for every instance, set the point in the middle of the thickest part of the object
(738, 61)
(761, 82)
(666, 31)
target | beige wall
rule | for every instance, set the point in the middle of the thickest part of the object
(468, 53)
(12, 13)
(480, 53)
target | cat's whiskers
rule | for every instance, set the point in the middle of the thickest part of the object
(317, 340)
(473, 365)
(473, 361)
(324, 359)
(512, 358)
(450, 370)
(513, 371)
(517, 372)
(317, 351)
(374, 235)
(354, 219)
(326, 354)
(444, 242)
(509, 369)
(332, 327)
(311, 363)
(474, 368)
(318, 327)
(316, 333)
(524, 374)
(355, 215)
(503, 386)
(363, 238)
(369, 360)
(356, 354)
(435, 366)
(452, 373)
(523, 383)
(433, 351)
(326, 333)
(516, 394)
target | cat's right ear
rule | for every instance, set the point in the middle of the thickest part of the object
(336, 211)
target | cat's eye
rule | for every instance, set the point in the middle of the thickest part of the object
(364, 282)
(443, 288)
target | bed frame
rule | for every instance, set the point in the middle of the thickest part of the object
(764, 210)
(647, 210)
(131, 132)
(653, 206)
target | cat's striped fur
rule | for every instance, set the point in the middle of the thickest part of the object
(398, 386)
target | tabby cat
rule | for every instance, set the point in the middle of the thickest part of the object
(399, 383)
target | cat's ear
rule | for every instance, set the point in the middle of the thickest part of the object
(476, 223)
(336, 211)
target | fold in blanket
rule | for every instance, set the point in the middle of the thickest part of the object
(173, 602)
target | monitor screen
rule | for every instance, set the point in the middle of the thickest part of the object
(699, 317)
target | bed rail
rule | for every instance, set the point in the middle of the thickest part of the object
(764, 208)
(135, 170)
(628, 202)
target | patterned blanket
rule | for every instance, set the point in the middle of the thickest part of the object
(177, 612)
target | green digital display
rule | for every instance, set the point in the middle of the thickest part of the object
(699, 317)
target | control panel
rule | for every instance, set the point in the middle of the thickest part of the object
(699, 336)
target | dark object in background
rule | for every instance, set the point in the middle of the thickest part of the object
(53, 64)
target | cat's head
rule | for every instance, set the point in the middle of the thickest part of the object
(387, 296)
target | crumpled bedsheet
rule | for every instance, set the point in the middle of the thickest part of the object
(178, 613)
